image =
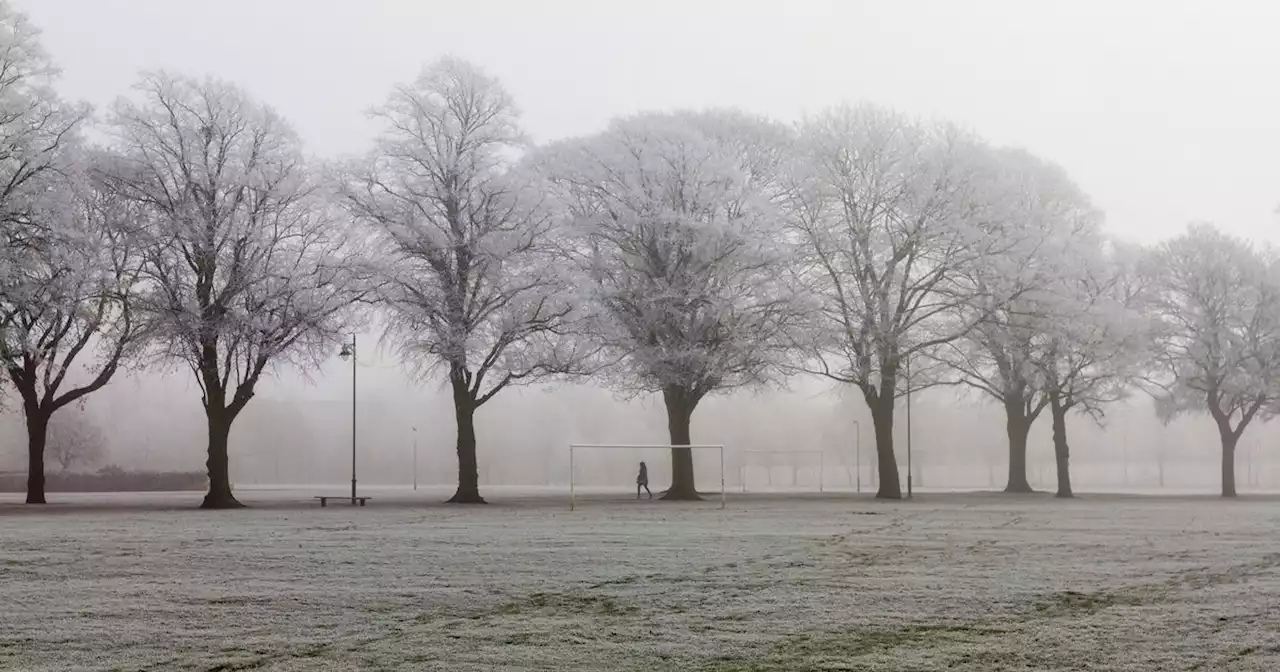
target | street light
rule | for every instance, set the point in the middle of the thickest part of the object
(349, 352)
(415, 458)
(909, 493)
(857, 437)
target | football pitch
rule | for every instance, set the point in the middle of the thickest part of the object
(787, 582)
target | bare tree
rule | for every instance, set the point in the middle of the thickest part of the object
(71, 301)
(39, 144)
(1218, 344)
(1097, 343)
(466, 245)
(243, 265)
(998, 359)
(683, 241)
(37, 131)
(1056, 224)
(75, 440)
(894, 223)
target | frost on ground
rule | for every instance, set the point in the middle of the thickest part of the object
(946, 582)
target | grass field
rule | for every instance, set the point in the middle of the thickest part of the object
(841, 582)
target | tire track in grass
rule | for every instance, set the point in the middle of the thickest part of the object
(823, 652)
(709, 590)
(796, 652)
(603, 609)
(843, 649)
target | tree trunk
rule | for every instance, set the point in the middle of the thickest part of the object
(887, 462)
(1228, 464)
(464, 410)
(37, 433)
(219, 495)
(680, 405)
(1061, 451)
(1017, 427)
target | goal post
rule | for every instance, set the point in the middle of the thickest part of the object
(795, 470)
(578, 447)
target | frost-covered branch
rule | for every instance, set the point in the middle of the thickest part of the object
(244, 266)
(59, 270)
(73, 293)
(680, 232)
(1021, 294)
(895, 218)
(1217, 347)
(466, 243)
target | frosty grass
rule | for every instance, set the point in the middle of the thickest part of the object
(842, 582)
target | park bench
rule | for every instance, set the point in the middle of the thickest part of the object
(325, 498)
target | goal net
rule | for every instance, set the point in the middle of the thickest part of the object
(609, 470)
(783, 470)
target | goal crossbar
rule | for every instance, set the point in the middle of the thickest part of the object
(822, 464)
(785, 452)
(643, 445)
(573, 447)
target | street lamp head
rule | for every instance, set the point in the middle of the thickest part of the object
(346, 352)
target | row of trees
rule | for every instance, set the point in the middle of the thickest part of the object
(679, 254)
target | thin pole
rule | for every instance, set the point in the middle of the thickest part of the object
(909, 492)
(353, 419)
(570, 478)
(1124, 423)
(415, 458)
(722, 477)
(858, 459)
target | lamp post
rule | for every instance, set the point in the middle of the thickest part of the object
(909, 492)
(857, 460)
(1124, 446)
(415, 458)
(349, 352)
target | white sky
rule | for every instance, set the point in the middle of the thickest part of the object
(1164, 111)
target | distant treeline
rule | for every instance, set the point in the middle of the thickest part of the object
(111, 479)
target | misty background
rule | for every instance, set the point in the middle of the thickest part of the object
(299, 432)
(1163, 112)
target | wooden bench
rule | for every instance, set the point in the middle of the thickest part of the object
(325, 498)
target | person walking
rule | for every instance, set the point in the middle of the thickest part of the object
(642, 481)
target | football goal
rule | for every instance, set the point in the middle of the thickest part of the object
(620, 461)
(760, 466)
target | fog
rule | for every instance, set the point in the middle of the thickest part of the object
(1163, 112)
(299, 432)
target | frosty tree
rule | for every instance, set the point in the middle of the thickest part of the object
(1096, 343)
(681, 236)
(37, 132)
(1056, 226)
(54, 262)
(75, 441)
(242, 265)
(1217, 346)
(894, 224)
(68, 310)
(467, 246)
(998, 359)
